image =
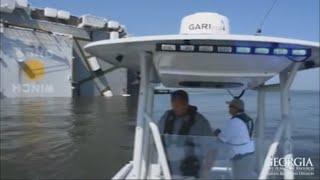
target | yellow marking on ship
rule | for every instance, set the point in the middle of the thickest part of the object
(34, 69)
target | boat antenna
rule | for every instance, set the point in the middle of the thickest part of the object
(259, 29)
(236, 97)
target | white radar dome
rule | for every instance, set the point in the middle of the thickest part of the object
(204, 23)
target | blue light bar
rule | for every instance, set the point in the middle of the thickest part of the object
(187, 48)
(280, 51)
(205, 48)
(224, 49)
(244, 50)
(299, 52)
(168, 47)
(261, 50)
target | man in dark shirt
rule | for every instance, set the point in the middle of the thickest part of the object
(183, 119)
(191, 127)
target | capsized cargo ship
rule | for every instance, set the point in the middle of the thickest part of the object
(42, 53)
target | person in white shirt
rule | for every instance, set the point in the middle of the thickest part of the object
(237, 133)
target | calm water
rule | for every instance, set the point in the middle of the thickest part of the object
(93, 137)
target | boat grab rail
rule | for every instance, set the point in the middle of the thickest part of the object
(159, 147)
(123, 173)
(272, 150)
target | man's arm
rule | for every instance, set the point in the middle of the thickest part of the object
(229, 132)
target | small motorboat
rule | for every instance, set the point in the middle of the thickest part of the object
(206, 55)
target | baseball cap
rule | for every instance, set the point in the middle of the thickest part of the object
(237, 103)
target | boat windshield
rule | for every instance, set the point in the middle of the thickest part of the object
(196, 156)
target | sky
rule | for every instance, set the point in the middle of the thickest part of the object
(297, 19)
